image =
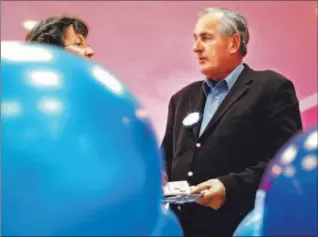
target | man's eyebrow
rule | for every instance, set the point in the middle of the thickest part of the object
(203, 34)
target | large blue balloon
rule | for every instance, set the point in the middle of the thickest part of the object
(286, 202)
(167, 225)
(249, 225)
(79, 156)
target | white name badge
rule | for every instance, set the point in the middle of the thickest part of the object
(191, 119)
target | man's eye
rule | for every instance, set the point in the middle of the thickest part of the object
(207, 37)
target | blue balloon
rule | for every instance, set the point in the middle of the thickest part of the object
(286, 200)
(79, 155)
(168, 224)
(249, 225)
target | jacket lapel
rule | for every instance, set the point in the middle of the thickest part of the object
(199, 107)
(238, 90)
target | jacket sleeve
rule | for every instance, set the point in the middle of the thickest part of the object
(282, 121)
(167, 142)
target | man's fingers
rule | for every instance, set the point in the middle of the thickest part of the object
(209, 198)
(202, 200)
(212, 194)
(200, 187)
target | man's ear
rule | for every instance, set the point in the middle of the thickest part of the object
(235, 43)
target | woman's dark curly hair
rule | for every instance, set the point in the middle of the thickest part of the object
(51, 30)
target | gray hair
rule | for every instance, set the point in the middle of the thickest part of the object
(231, 23)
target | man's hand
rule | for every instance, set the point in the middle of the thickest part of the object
(213, 192)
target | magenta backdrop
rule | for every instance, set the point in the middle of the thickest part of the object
(148, 44)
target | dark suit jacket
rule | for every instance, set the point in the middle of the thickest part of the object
(257, 117)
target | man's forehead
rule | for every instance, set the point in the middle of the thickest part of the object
(207, 23)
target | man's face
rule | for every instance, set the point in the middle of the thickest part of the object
(213, 50)
(76, 43)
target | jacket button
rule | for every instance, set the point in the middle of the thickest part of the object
(190, 173)
(198, 145)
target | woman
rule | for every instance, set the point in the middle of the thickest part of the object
(67, 32)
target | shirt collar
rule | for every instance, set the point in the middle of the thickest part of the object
(230, 80)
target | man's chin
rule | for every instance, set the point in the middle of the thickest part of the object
(205, 70)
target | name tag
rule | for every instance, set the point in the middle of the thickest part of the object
(192, 119)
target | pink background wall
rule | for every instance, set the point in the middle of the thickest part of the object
(148, 44)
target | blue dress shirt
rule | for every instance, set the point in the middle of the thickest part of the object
(215, 92)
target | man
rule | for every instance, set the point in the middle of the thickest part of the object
(221, 132)
(67, 32)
